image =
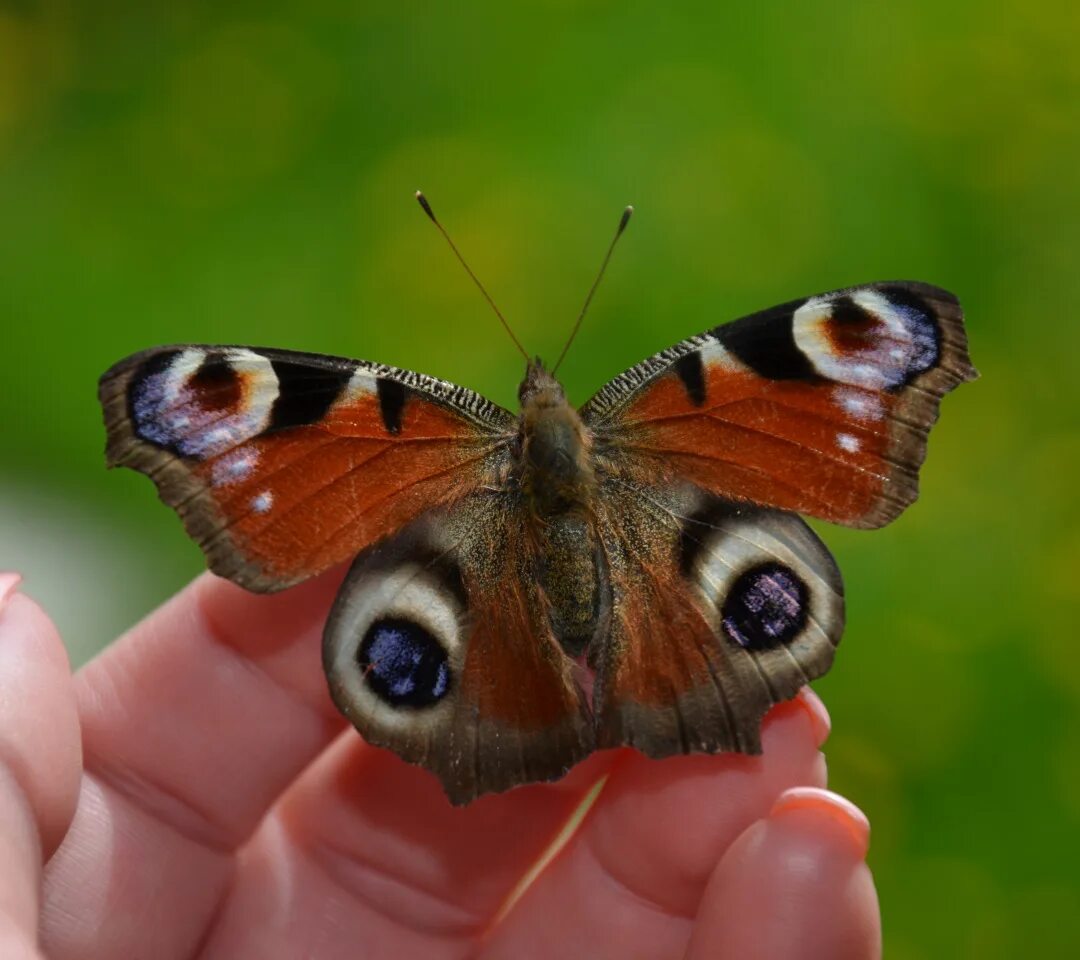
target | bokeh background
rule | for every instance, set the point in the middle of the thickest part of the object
(244, 173)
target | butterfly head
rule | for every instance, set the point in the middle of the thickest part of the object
(540, 388)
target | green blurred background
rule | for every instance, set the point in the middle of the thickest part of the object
(244, 173)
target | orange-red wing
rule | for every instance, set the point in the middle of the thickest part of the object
(283, 464)
(821, 405)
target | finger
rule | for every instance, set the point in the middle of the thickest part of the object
(700, 804)
(794, 885)
(193, 724)
(208, 708)
(39, 760)
(633, 876)
(379, 864)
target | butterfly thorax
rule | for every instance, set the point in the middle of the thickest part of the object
(554, 470)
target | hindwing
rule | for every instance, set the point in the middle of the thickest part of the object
(719, 611)
(439, 647)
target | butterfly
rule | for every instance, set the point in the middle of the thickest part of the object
(526, 589)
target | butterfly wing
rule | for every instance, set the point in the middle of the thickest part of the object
(439, 647)
(719, 611)
(283, 464)
(820, 406)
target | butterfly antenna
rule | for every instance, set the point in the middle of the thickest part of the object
(422, 200)
(623, 221)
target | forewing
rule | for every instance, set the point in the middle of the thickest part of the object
(283, 464)
(719, 611)
(820, 406)
(439, 647)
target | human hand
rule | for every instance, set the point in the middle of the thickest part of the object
(224, 810)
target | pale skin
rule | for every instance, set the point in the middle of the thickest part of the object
(193, 793)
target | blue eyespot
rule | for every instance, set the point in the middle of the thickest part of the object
(404, 664)
(765, 607)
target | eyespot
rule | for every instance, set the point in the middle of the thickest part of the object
(393, 645)
(771, 584)
(202, 403)
(875, 339)
(765, 607)
(403, 663)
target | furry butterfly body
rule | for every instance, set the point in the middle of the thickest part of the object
(650, 538)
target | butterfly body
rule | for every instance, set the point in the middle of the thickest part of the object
(527, 589)
(557, 482)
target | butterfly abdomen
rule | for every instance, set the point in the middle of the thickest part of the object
(577, 593)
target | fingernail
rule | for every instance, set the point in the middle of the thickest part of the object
(839, 809)
(9, 583)
(819, 715)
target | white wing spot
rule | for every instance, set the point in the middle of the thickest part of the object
(714, 355)
(362, 383)
(860, 404)
(847, 441)
(263, 502)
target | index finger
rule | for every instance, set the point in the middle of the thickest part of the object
(208, 708)
(193, 724)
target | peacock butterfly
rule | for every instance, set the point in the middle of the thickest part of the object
(651, 536)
